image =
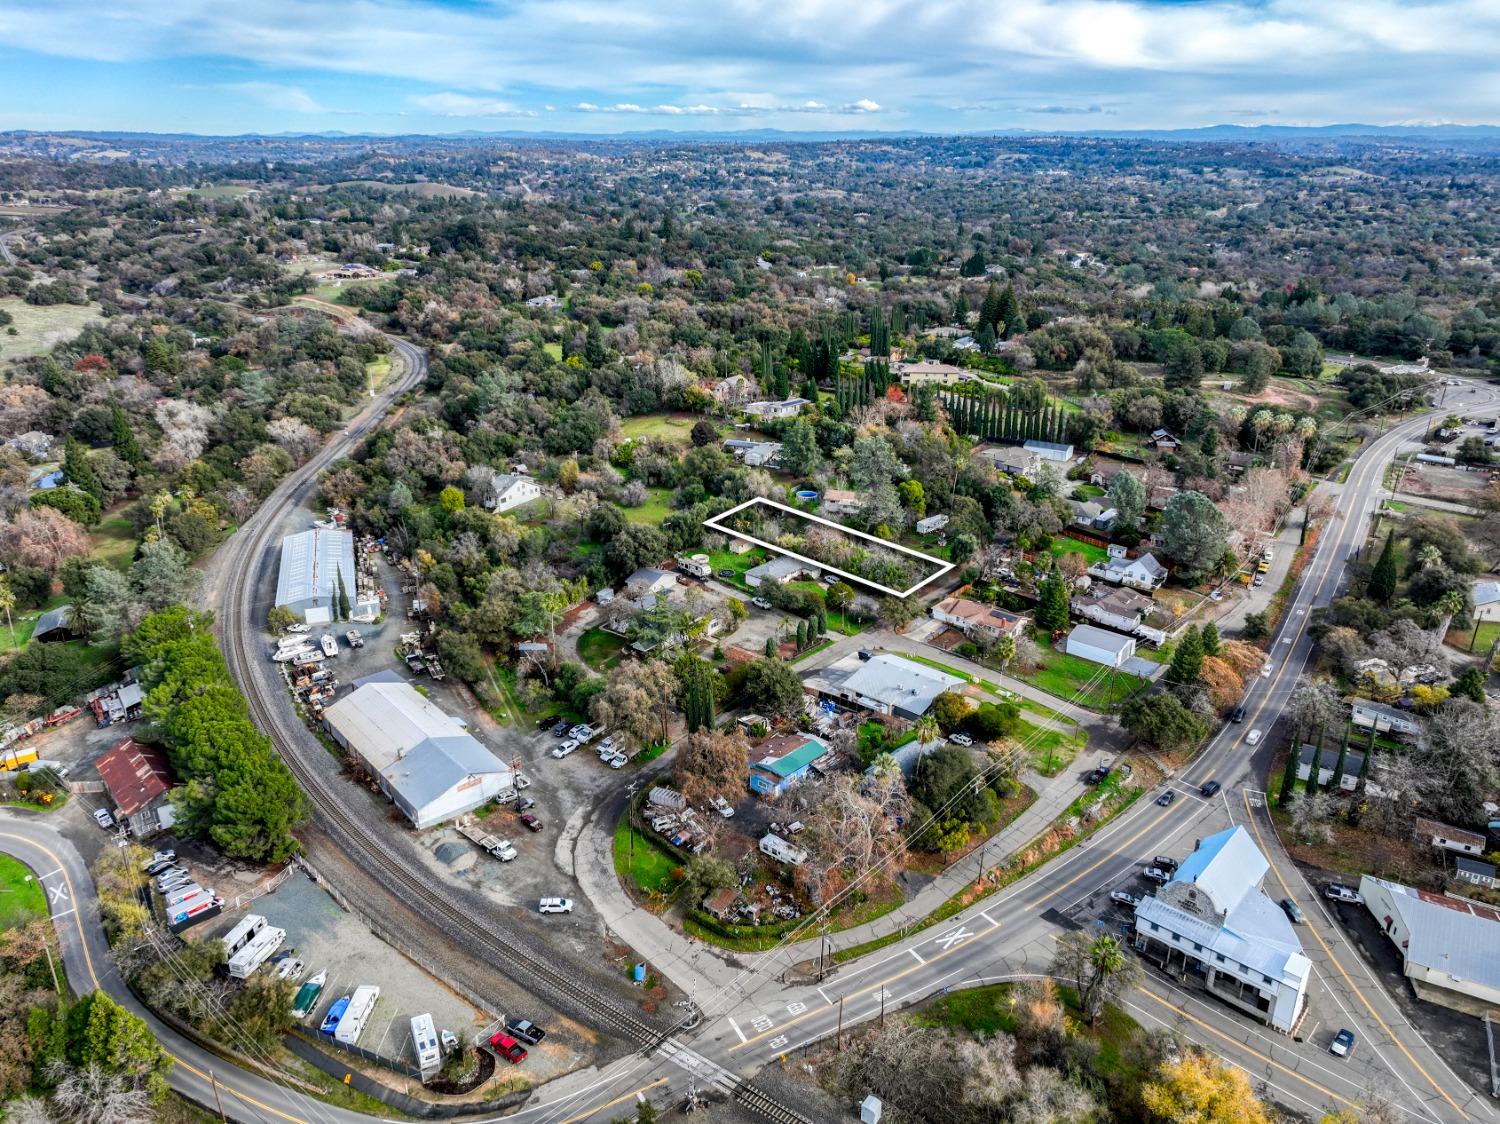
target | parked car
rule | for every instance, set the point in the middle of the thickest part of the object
(618, 761)
(1343, 1043)
(545, 724)
(760, 603)
(167, 856)
(1339, 893)
(449, 1040)
(1155, 874)
(508, 1048)
(607, 744)
(561, 729)
(1166, 862)
(1252, 738)
(1260, 580)
(1210, 789)
(1293, 911)
(566, 748)
(531, 822)
(103, 818)
(51, 766)
(1120, 897)
(299, 628)
(526, 1030)
(865, 654)
(961, 739)
(581, 732)
(525, 803)
(1237, 714)
(1167, 797)
(555, 905)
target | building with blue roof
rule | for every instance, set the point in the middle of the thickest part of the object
(1213, 923)
(787, 759)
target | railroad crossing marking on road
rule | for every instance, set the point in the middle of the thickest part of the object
(59, 893)
(952, 937)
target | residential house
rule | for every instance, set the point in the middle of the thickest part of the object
(642, 586)
(930, 373)
(1487, 601)
(1213, 924)
(885, 684)
(1446, 838)
(971, 617)
(1144, 572)
(720, 902)
(1116, 608)
(754, 454)
(1450, 946)
(1159, 495)
(1050, 451)
(1476, 873)
(1012, 460)
(931, 523)
(1381, 718)
(788, 408)
(779, 571)
(1099, 646)
(1094, 516)
(546, 300)
(784, 760)
(511, 490)
(966, 343)
(735, 390)
(840, 501)
(136, 777)
(1328, 760)
(1163, 442)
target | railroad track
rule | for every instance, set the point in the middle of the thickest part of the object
(238, 634)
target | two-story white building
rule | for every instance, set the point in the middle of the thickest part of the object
(511, 490)
(1144, 572)
(1213, 924)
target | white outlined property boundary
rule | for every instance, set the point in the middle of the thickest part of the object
(943, 567)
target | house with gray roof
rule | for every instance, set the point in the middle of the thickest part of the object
(55, 626)
(1487, 601)
(1450, 946)
(429, 765)
(779, 571)
(1212, 923)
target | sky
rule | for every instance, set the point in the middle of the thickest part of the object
(445, 66)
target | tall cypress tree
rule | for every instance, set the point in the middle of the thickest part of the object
(1338, 766)
(1209, 635)
(1187, 661)
(122, 437)
(1288, 779)
(343, 613)
(1383, 576)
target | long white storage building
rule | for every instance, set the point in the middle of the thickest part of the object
(424, 760)
(313, 563)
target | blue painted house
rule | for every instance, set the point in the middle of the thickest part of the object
(787, 759)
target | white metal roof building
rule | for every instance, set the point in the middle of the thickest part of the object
(1099, 645)
(311, 564)
(1213, 917)
(1451, 945)
(888, 684)
(424, 760)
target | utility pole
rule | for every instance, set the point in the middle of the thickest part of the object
(220, 1104)
(47, 947)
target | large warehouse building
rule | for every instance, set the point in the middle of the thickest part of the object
(312, 563)
(1450, 945)
(425, 761)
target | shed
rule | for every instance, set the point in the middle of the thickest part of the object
(720, 902)
(1099, 645)
(55, 626)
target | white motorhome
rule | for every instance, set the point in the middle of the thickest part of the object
(242, 934)
(262, 947)
(424, 1043)
(782, 851)
(697, 565)
(361, 1007)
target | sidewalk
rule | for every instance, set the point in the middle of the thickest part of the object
(704, 971)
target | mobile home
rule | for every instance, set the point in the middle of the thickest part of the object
(361, 1007)
(424, 1043)
(241, 935)
(262, 946)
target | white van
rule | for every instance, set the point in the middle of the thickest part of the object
(1252, 738)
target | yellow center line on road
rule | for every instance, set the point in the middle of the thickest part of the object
(1286, 889)
(611, 1104)
(94, 978)
(1237, 1044)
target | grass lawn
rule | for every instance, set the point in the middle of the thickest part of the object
(639, 860)
(554, 350)
(739, 563)
(1064, 676)
(1087, 492)
(113, 542)
(21, 896)
(657, 507)
(601, 650)
(1050, 750)
(39, 327)
(989, 1010)
(1065, 544)
(668, 427)
(378, 371)
(1489, 632)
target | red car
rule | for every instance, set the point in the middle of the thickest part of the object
(508, 1048)
(531, 822)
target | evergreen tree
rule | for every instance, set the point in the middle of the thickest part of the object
(78, 471)
(1209, 636)
(1315, 766)
(1288, 779)
(771, 648)
(696, 678)
(1383, 577)
(122, 437)
(989, 311)
(343, 606)
(1009, 320)
(1338, 766)
(1187, 661)
(1052, 603)
(801, 635)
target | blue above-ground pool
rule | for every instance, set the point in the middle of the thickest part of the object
(807, 494)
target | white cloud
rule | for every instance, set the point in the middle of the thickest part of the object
(276, 96)
(741, 109)
(462, 105)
